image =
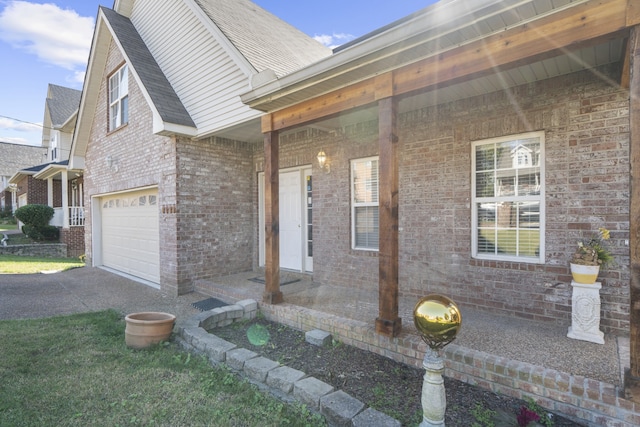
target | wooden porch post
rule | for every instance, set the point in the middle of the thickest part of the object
(388, 323)
(632, 380)
(272, 293)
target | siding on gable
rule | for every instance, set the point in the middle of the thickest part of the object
(204, 76)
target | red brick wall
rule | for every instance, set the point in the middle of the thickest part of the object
(140, 159)
(214, 208)
(74, 239)
(204, 188)
(36, 190)
(587, 155)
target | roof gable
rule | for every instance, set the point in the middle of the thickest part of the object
(62, 103)
(149, 75)
(265, 40)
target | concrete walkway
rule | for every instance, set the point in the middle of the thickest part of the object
(540, 344)
(92, 289)
(84, 289)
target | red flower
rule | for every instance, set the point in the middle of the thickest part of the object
(526, 416)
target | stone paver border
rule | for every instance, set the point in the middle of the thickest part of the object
(338, 407)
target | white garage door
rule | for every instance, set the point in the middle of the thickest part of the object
(130, 234)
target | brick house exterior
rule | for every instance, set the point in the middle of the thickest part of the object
(208, 192)
(205, 168)
(204, 186)
(14, 157)
(53, 183)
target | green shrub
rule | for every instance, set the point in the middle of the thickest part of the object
(36, 222)
(48, 232)
(6, 212)
(34, 215)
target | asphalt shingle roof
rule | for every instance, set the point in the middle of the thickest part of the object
(62, 103)
(164, 98)
(265, 40)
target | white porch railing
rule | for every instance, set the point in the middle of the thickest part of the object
(76, 217)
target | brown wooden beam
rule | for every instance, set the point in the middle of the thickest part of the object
(632, 377)
(549, 36)
(272, 293)
(388, 323)
(624, 74)
(582, 25)
(633, 13)
(353, 96)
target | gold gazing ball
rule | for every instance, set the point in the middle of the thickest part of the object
(437, 319)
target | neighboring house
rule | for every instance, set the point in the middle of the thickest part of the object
(53, 183)
(12, 158)
(466, 148)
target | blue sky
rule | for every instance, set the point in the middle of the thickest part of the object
(44, 42)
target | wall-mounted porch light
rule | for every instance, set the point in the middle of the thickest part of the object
(322, 161)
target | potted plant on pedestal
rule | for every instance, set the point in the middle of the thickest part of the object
(590, 255)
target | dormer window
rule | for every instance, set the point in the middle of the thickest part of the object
(119, 98)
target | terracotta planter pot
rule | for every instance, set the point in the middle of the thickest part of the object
(585, 274)
(147, 328)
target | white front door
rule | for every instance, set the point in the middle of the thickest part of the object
(295, 210)
(290, 221)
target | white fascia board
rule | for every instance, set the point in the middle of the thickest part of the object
(90, 88)
(161, 127)
(70, 123)
(49, 172)
(338, 63)
(16, 177)
(123, 7)
(76, 162)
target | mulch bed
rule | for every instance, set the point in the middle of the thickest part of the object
(381, 383)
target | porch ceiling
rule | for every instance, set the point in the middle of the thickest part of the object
(570, 61)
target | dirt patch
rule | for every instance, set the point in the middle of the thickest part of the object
(381, 383)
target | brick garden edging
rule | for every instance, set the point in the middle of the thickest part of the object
(581, 399)
(338, 407)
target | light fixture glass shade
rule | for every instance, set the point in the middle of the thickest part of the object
(322, 158)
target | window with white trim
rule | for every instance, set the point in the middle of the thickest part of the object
(364, 204)
(508, 198)
(119, 98)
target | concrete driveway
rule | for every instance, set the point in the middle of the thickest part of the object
(82, 290)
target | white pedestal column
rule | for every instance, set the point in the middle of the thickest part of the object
(434, 400)
(585, 313)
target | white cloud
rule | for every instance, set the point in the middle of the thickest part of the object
(334, 40)
(78, 77)
(56, 36)
(7, 123)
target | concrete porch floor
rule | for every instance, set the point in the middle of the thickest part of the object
(540, 344)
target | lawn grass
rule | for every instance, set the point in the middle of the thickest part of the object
(77, 371)
(5, 226)
(529, 243)
(14, 264)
